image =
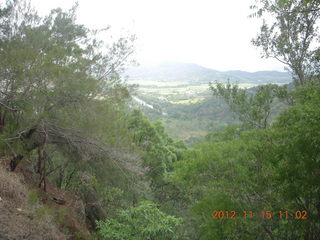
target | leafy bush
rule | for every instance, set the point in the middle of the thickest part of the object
(144, 221)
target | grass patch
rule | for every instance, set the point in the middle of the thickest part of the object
(33, 198)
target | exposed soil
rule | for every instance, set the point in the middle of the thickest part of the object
(56, 215)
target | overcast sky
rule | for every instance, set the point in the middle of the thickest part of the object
(212, 33)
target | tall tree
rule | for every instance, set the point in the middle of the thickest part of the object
(291, 37)
(62, 104)
(56, 76)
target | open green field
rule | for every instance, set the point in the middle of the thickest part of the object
(177, 93)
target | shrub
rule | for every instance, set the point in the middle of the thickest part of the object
(144, 221)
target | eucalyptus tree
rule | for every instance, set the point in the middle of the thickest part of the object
(56, 80)
(291, 37)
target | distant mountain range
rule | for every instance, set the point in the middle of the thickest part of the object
(193, 73)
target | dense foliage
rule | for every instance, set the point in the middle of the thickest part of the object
(273, 169)
(144, 221)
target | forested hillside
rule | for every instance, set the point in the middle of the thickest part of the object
(80, 161)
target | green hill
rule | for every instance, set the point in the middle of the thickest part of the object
(193, 73)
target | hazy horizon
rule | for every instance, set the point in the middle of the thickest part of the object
(159, 63)
(212, 34)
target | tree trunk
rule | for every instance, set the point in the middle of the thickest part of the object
(2, 122)
(15, 161)
(42, 167)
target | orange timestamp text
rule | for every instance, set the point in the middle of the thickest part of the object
(264, 214)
